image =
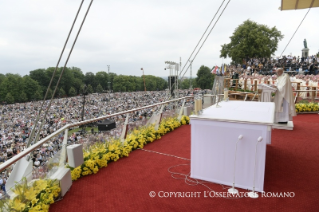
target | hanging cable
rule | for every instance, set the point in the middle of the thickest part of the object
(56, 67)
(295, 32)
(207, 36)
(48, 107)
(203, 35)
(66, 62)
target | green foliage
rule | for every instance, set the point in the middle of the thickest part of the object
(205, 78)
(72, 92)
(90, 79)
(303, 101)
(62, 92)
(133, 83)
(29, 86)
(37, 95)
(99, 89)
(251, 40)
(9, 98)
(36, 83)
(185, 84)
(23, 97)
(90, 89)
(102, 79)
(50, 92)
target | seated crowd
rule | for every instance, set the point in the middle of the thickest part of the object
(266, 66)
(17, 121)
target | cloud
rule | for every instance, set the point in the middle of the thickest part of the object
(129, 35)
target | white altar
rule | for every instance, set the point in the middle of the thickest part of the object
(213, 143)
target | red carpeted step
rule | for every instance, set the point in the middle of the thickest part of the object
(291, 166)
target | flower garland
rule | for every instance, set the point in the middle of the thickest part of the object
(306, 107)
(35, 197)
(99, 155)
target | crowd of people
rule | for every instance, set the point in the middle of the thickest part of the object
(18, 120)
(267, 66)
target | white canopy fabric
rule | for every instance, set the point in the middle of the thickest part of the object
(298, 4)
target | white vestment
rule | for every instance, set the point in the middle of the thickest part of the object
(284, 100)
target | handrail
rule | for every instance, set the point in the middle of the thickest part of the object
(46, 139)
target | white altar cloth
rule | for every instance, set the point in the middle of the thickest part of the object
(213, 143)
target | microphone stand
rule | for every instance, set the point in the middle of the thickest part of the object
(233, 190)
(253, 194)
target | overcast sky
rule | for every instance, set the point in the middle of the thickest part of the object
(130, 35)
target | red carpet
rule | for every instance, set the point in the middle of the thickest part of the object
(292, 165)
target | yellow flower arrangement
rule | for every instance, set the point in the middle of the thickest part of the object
(306, 107)
(40, 194)
(35, 197)
(99, 155)
(185, 120)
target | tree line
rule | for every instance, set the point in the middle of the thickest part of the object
(15, 88)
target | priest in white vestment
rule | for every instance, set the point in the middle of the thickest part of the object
(284, 100)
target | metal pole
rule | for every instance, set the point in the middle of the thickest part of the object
(108, 77)
(83, 106)
(143, 79)
(190, 78)
(175, 65)
(170, 79)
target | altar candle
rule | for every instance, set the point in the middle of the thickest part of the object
(225, 94)
(200, 104)
(196, 105)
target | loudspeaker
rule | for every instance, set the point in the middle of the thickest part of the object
(75, 155)
(106, 125)
(172, 82)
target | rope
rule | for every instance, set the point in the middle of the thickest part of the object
(203, 35)
(66, 62)
(207, 36)
(46, 94)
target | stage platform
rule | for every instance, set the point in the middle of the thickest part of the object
(148, 180)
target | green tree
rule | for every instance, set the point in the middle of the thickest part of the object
(205, 78)
(50, 93)
(40, 76)
(12, 83)
(185, 84)
(37, 95)
(72, 92)
(77, 73)
(2, 77)
(23, 97)
(90, 79)
(111, 77)
(102, 79)
(77, 85)
(30, 86)
(99, 89)
(251, 40)
(9, 98)
(90, 89)
(62, 92)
